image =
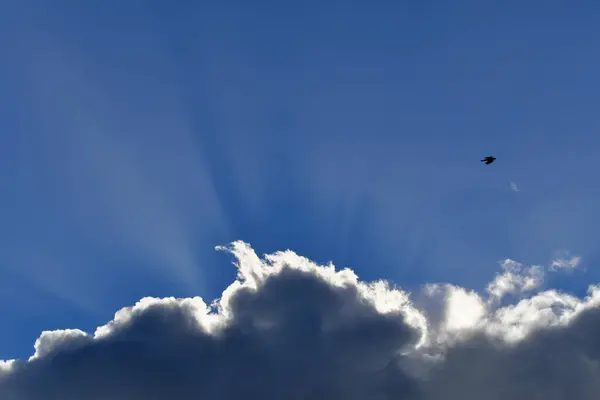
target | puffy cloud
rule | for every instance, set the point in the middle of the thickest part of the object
(451, 313)
(286, 328)
(551, 363)
(289, 328)
(515, 280)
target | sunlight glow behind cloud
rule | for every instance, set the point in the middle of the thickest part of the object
(116, 179)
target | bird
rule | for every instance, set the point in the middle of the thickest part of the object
(488, 160)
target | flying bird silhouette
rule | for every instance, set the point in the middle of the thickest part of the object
(488, 160)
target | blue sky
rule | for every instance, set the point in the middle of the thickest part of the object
(137, 136)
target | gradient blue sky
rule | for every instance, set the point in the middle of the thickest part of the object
(137, 135)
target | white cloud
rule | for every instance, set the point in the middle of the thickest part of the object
(452, 313)
(514, 187)
(515, 279)
(288, 325)
(52, 341)
(6, 366)
(565, 263)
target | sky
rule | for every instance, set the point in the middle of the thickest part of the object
(136, 136)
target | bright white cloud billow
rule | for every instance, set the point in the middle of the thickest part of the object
(289, 328)
(515, 279)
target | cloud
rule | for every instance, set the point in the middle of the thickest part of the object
(289, 328)
(551, 364)
(514, 187)
(566, 263)
(515, 279)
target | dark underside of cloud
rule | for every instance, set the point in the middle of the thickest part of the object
(554, 363)
(290, 329)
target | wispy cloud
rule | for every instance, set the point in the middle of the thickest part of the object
(514, 187)
(566, 263)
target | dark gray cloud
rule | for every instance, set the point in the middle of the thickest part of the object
(289, 329)
(295, 337)
(551, 364)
